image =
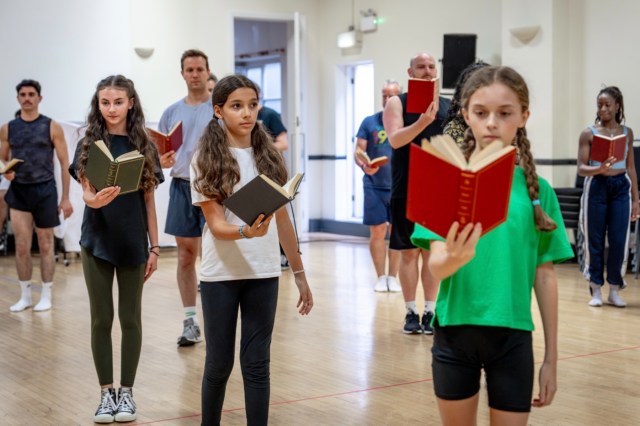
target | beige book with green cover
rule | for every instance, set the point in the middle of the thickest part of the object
(103, 170)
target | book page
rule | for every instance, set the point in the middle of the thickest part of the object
(173, 129)
(428, 147)
(103, 147)
(448, 147)
(275, 185)
(480, 154)
(129, 155)
(292, 186)
(490, 157)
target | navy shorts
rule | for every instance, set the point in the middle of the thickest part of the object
(183, 218)
(401, 227)
(459, 353)
(377, 208)
(39, 199)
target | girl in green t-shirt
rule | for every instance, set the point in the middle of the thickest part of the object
(483, 311)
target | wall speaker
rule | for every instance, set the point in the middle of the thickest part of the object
(459, 52)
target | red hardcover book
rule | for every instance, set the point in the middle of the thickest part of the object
(420, 94)
(443, 190)
(167, 142)
(603, 147)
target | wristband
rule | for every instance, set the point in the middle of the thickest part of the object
(154, 252)
(301, 271)
(242, 232)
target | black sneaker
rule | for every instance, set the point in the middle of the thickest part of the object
(412, 324)
(426, 323)
(284, 262)
(107, 409)
(126, 409)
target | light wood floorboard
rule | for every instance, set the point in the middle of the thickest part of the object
(348, 363)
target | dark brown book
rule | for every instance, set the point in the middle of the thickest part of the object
(10, 166)
(262, 196)
(103, 170)
(171, 141)
(604, 147)
(444, 187)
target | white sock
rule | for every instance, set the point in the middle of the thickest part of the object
(25, 297)
(45, 298)
(190, 312)
(411, 306)
(429, 306)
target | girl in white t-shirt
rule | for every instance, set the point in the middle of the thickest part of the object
(240, 265)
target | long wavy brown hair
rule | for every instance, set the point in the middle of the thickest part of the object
(96, 129)
(487, 76)
(218, 170)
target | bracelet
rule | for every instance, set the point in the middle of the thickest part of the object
(301, 271)
(152, 247)
(154, 252)
(242, 232)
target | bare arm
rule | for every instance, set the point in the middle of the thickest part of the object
(393, 122)
(546, 289)
(287, 237)
(633, 175)
(362, 145)
(458, 250)
(4, 142)
(223, 230)
(281, 142)
(584, 154)
(60, 145)
(152, 231)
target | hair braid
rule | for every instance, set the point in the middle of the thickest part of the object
(541, 218)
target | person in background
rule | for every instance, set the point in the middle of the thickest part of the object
(184, 220)
(609, 200)
(483, 317)
(403, 129)
(454, 125)
(239, 270)
(32, 196)
(211, 82)
(372, 139)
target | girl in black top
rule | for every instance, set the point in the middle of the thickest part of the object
(119, 235)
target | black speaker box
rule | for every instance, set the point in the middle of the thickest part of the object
(459, 52)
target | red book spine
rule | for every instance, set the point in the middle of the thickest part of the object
(466, 198)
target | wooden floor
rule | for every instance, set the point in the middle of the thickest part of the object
(348, 363)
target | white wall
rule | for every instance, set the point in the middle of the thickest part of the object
(69, 45)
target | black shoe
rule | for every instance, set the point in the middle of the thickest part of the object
(412, 324)
(426, 323)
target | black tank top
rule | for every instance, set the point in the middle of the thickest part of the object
(400, 158)
(31, 141)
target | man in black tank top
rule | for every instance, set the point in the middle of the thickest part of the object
(32, 196)
(404, 128)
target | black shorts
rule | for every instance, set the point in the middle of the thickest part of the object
(183, 218)
(459, 353)
(39, 199)
(401, 227)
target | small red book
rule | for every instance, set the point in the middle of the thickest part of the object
(372, 163)
(443, 189)
(420, 94)
(603, 147)
(167, 142)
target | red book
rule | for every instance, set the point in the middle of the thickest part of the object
(376, 162)
(167, 142)
(603, 147)
(421, 93)
(444, 188)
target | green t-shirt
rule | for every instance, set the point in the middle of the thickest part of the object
(494, 288)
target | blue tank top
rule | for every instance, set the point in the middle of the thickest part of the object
(619, 165)
(31, 141)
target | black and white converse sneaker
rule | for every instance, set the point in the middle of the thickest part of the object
(107, 409)
(126, 409)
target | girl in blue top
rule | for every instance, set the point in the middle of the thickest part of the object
(483, 311)
(609, 199)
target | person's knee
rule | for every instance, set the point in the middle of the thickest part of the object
(255, 371)
(378, 232)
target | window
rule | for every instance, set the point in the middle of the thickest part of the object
(268, 75)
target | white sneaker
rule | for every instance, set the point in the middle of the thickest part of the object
(596, 295)
(22, 304)
(381, 284)
(393, 284)
(614, 297)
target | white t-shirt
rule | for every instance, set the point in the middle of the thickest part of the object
(224, 260)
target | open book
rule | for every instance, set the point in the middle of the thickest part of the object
(103, 170)
(376, 162)
(262, 196)
(167, 142)
(444, 187)
(603, 147)
(11, 165)
(421, 93)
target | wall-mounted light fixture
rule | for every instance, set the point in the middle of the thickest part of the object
(350, 39)
(525, 34)
(144, 52)
(368, 21)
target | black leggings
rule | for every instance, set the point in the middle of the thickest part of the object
(98, 275)
(257, 300)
